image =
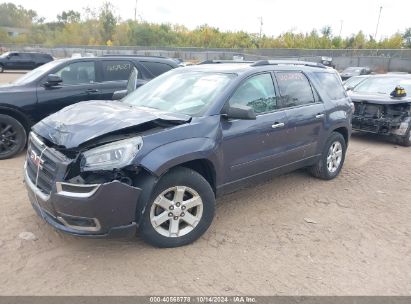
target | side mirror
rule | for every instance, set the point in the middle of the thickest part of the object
(117, 95)
(349, 88)
(239, 112)
(53, 80)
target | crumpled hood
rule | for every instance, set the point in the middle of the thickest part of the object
(378, 98)
(82, 122)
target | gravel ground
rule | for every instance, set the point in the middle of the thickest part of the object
(293, 235)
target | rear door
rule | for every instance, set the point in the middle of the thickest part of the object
(305, 114)
(26, 61)
(114, 74)
(79, 84)
(251, 147)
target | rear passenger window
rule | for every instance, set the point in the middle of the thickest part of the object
(256, 92)
(331, 85)
(115, 70)
(156, 68)
(295, 89)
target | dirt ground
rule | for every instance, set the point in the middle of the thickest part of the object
(293, 235)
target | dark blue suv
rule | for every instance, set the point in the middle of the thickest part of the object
(155, 161)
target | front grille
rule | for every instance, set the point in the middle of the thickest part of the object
(41, 169)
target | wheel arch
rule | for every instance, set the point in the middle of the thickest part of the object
(344, 132)
(18, 115)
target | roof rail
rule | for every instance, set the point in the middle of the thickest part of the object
(133, 55)
(224, 61)
(289, 62)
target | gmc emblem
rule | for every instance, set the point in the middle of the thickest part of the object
(36, 159)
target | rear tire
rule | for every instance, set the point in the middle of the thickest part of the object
(180, 210)
(1, 68)
(13, 136)
(332, 158)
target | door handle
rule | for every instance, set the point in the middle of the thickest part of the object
(319, 116)
(278, 125)
(92, 91)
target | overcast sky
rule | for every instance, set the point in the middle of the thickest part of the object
(278, 16)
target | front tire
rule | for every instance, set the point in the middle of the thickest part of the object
(180, 210)
(13, 136)
(1, 68)
(406, 140)
(332, 159)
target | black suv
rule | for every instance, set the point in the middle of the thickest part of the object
(23, 60)
(60, 83)
(157, 160)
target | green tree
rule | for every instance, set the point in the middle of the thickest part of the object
(69, 17)
(407, 38)
(17, 16)
(107, 21)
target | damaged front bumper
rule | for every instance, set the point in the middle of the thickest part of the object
(99, 210)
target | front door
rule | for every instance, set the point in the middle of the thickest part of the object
(251, 147)
(78, 85)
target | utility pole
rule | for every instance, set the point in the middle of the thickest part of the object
(135, 12)
(341, 26)
(261, 26)
(378, 23)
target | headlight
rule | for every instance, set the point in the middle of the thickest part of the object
(114, 155)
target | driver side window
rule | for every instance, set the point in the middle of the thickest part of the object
(78, 73)
(256, 92)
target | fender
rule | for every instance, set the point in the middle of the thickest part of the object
(10, 110)
(161, 159)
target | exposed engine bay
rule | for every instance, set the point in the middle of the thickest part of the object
(385, 119)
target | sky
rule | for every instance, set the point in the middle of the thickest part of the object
(278, 16)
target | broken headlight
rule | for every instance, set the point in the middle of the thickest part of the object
(110, 156)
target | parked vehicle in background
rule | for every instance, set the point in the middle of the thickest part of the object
(352, 82)
(23, 60)
(61, 83)
(157, 160)
(376, 111)
(354, 71)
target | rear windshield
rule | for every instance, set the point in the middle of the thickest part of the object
(383, 85)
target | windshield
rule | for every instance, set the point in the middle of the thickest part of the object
(383, 85)
(352, 70)
(354, 81)
(190, 92)
(32, 75)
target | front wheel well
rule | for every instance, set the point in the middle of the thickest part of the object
(20, 117)
(344, 132)
(203, 167)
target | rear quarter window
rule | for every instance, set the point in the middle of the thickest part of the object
(156, 68)
(331, 85)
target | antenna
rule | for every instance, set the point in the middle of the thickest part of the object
(378, 23)
(135, 11)
(261, 26)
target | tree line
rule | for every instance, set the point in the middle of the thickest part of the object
(101, 26)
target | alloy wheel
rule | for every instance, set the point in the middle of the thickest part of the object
(176, 211)
(334, 157)
(8, 138)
